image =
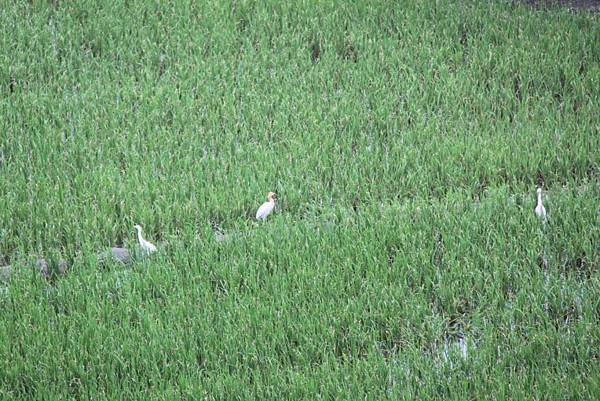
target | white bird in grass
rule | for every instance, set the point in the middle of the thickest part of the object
(540, 210)
(266, 208)
(146, 246)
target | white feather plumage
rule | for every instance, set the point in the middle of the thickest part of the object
(146, 246)
(266, 208)
(540, 210)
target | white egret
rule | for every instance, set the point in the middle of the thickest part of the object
(266, 208)
(146, 246)
(540, 210)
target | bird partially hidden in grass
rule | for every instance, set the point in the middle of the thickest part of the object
(146, 247)
(540, 210)
(119, 255)
(266, 208)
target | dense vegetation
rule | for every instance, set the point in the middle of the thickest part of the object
(405, 141)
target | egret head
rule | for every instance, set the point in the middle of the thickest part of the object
(137, 227)
(539, 191)
(270, 196)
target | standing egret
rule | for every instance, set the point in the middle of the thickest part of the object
(540, 210)
(146, 246)
(266, 208)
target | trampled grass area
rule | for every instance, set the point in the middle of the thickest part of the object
(405, 141)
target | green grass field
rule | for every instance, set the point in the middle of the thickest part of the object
(405, 141)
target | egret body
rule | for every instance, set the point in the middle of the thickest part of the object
(266, 208)
(540, 210)
(146, 246)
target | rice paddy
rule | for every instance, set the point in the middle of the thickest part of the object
(403, 260)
